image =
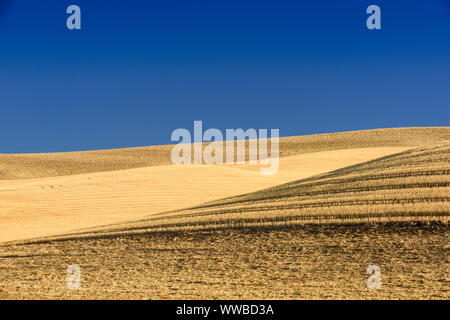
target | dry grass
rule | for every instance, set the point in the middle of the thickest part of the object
(206, 232)
(408, 186)
(27, 166)
(55, 205)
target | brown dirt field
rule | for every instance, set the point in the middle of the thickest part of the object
(308, 262)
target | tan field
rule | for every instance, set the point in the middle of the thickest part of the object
(48, 206)
(140, 227)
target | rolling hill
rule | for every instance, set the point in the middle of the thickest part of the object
(408, 186)
(142, 228)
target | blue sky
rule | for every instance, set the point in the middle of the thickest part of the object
(137, 70)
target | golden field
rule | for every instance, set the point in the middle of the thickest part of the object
(140, 227)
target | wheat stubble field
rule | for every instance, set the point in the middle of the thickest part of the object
(141, 228)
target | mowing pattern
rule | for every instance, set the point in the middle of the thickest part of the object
(58, 205)
(408, 186)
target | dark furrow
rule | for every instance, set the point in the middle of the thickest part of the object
(294, 193)
(321, 218)
(303, 206)
(373, 177)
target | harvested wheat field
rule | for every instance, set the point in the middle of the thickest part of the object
(141, 228)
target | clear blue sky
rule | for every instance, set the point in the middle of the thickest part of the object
(139, 69)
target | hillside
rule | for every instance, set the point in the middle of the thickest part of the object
(39, 207)
(26, 166)
(408, 186)
(312, 238)
(340, 203)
